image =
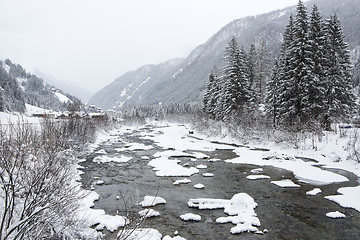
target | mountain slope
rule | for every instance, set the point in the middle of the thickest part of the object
(186, 81)
(18, 87)
(70, 88)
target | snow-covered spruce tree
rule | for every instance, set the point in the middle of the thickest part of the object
(272, 97)
(316, 86)
(303, 77)
(210, 93)
(262, 69)
(340, 99)
(286, 87)
(236, 91)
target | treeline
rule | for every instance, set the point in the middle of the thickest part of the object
(159, 111)
(309, 83)
(18, 87)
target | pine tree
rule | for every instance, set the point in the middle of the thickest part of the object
(340, 99)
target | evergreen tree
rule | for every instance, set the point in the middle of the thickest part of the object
(316, 88)
(303, 77)
(340, 99)
(287, 88)
(211, 93)
(272, 97)
(236, 88)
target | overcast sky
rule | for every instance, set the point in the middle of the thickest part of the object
(92, 42)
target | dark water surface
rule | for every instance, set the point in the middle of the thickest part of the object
(287, 213)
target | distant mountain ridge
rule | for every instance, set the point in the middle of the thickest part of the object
(18, 87)
(184, 81)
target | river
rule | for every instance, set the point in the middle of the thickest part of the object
(285, 213)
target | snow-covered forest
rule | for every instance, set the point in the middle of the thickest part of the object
(309, 85)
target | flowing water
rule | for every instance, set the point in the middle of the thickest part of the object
(287, 213)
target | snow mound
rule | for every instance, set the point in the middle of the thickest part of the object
(336, 214)
(201, 166)
(314, 192)
(199, 186)
(149, 213)
(240, 208)
(140, 234)
(190, 217)
(256, 177)
(182, 181)
(208, 174)
(285, 183)
(167, 237)
(165, 167)
(150, 201)
(257, 170)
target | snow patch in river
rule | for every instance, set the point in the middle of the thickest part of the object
(240, 208)
(285, 183)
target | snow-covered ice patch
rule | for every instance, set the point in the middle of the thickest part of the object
(182, 181)
(111, 223)
(140, 234)
(336, 214)
(214, 160)
(97, 216)
(256, 177)
(199, 186)
(257, 170)
(99, 182)
(106, 159)
(190, 217)
(240, 208)
(101, 151)
(145, 157)
(201, 166)
(168, 237)
(285, 183)
(149, 213)
(170, 168)
(208, 175)
(314, 192)
(304, 171)
(349, 197)
(150, 201)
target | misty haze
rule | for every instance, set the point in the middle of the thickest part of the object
(159, 120)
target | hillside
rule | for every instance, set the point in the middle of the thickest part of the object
(18, 87)
(185, 80)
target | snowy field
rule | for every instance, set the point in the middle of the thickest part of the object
(241, 209)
